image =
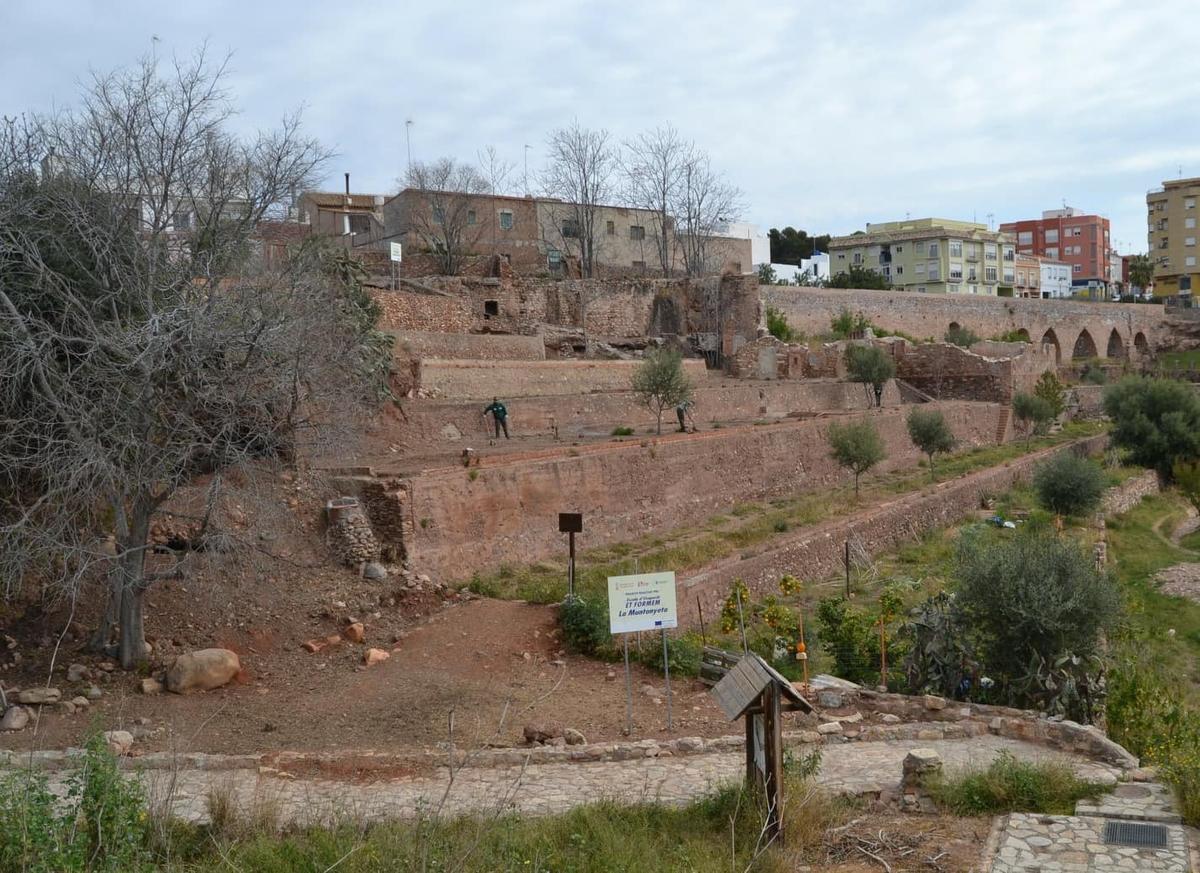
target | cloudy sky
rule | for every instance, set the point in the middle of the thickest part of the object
(826, 115)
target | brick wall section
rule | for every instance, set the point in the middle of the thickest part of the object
(629, 489)
(483, 380)
(475, 346)
(930, 315)
(815, 554)
(445, 422)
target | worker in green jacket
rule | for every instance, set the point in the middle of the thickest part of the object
(499, 416)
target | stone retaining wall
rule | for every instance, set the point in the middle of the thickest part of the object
(476, 346)
(483, 380)
(817, 553)
(1129, 493)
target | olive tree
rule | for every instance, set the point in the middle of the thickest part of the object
(1156, 420)
(661, 383)
(1068, 484)
(1033, 412)
(929, 432)
(872, 366)
(856, 446)
(144, 343)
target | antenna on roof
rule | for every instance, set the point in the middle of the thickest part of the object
(408, 123)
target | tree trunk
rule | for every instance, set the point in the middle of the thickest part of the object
(132, 646)
(112, 611)
(128, 587)
(878, 396)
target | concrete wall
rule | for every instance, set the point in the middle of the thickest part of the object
(1059, 322)
(483, 380)
(448, 423)
(510, 507)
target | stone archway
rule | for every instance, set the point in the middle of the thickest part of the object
(954, 325)
(1023, 334)
(1050, 339)
(1116, 346)
(1085, 346)
(1139, 343)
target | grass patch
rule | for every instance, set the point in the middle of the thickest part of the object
(1010, 785)
(622, 431)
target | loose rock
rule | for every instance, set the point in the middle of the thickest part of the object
(119, 742)
(203, 670)
(354, 632)
(151, 686)
(14, 719)
(574, 737)
(39, 696)
(374, 656)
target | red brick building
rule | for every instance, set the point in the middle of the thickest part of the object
(1070, 236)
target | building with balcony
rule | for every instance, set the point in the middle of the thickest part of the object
(1069, 236)
(1171, 232)
(930, 256)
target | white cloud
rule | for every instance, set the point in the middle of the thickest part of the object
(828, 116)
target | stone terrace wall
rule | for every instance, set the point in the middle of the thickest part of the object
(814, 554)
(946, 371)
(416, 344)
(510, 507)
(483, 380)
(1129, 493)
(404, 310)
(430, 422)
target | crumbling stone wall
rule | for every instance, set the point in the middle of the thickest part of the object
(627, 489)
(945, 371)
(406, 310)
(420, 345)
(483, 380)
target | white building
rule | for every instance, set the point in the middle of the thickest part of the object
(760, 243)
(816, 267)
(1056, 279)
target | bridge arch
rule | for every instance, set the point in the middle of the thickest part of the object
(1050, 339)
(1141, 345)
(1116, 346)
(1085, 346)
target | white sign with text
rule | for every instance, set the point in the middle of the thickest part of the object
(397, 252)
(642, 602)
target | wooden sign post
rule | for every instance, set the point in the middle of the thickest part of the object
(755, 690)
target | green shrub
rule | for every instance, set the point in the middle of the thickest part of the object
(778, 327)
(584, 622)
(856, 446)
(929, 432)
(1092, 374)
(1010, 785)
(961, 336)
(872, 366)
(847, 324)
(1068, 484)
(1033, 412)
(1156, 420)
(848, 636)
(683, 653)
(1049, 389)
(622, 431)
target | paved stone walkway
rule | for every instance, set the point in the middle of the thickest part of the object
(1075, 844)
(859, 767)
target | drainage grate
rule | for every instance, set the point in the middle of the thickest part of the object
(1140, 836)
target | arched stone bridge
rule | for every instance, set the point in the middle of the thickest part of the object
(1071, 329)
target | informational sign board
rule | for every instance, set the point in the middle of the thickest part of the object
(642, 602)
(396, 252)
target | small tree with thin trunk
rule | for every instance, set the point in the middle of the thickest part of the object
(929, 432)
(872, 366)
(443, 215)
(1034, 413)
(661, 382)
(855, 446)
(581, 173)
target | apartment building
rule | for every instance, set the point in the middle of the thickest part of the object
(542, 234)
(1029, 277)
(1070, 236)
(1171, 214)
(356, 218)
(931, 256)
(1056, 279)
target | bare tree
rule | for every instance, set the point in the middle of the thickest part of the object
(653, 167)
(444, 216)
(495, 170)
(143, 346)
(704, 202)
(581, 173)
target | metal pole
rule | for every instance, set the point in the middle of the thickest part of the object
(847, 569)
(741, 620)
(628, 691)
(700, 611)
(667, 674)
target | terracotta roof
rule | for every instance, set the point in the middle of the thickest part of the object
(336, 200)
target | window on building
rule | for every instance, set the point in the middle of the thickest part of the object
(1052, 252)
(1189, 223)
(858, 257)
(1074, 231)
(636, 231)
(639, 265)
(1025, 238)
(971, 275)
(956, 271)
(933, 250)
(899, 270)
(490, 308)
(1189, 261)
(736, 266)
(182, 220)
(956, 248)
(360, 223)
(1052, 235)
(989, 274)
(841, 256)
(570, 228)
(935, 271)
(1189, 240)
(610, 228)
(1008, 278)
(920, 269)
(506, 220)
(1161, 206)
(1189, 202)
(1009, 253)
(899, 249)
(920, 289)
(439, 215)
(989, 251)
(470, 216)
(1077, 268)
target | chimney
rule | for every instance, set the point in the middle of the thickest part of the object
(347, 184)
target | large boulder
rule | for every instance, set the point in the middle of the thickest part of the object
(39, 696)
(202, 670)
(14, 719)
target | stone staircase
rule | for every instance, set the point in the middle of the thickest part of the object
(1002, 424)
